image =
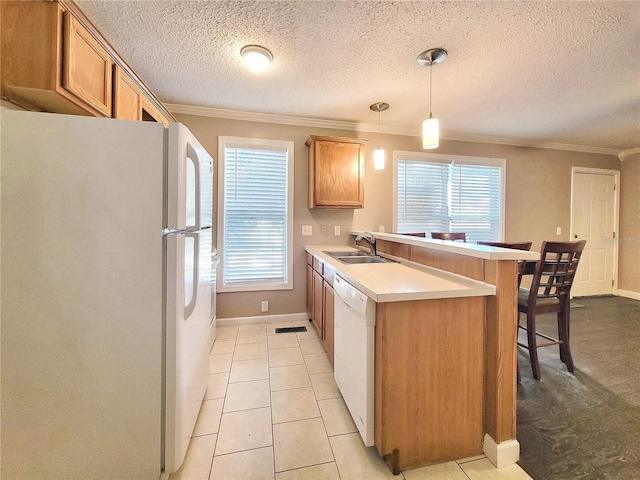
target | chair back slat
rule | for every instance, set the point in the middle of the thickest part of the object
(556, 269)
(449, 236)
(513, 246)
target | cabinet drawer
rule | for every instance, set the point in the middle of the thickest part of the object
(328, 272)
(317, 265)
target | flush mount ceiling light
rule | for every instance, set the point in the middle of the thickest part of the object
(378, 153)
(256, 57)
(431, 127)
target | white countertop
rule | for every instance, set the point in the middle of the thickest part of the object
(393, 282)
(468, 249)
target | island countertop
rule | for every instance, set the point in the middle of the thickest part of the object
(468, 249)
(401, 280)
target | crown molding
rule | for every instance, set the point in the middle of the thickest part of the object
(625, 153)
(366, 127)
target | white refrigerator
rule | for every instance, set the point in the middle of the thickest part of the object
(105, 263)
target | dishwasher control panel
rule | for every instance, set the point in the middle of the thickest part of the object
(354, 298)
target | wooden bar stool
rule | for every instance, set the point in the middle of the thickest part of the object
(549, 293)
(449, 236)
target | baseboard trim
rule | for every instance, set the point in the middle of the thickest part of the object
(629, 294)
(501, 454)
(289, 317)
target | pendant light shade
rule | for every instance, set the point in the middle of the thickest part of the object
(430, 133)
(378, 159)
(378, 153)
(431, 126)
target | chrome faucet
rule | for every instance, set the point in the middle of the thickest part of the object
(370, 239)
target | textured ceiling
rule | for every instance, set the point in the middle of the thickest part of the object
(564, 72)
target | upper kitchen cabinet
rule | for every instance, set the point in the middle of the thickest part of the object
(127, 97)
(130, 103)
(86, 66)
(54, 59)
(336, 172)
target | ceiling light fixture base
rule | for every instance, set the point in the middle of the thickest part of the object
(433, 56)
(379, 106)
(256, 57)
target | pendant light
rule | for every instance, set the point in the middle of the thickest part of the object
(378, 153)
(431, 127)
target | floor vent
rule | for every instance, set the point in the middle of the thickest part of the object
(291, 329)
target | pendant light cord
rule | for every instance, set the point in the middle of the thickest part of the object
(379, 129)
(430, 86)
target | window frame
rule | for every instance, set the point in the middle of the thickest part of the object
(254, 143)
(449, 159)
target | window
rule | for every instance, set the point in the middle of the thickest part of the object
(255, 194)
(447, 193)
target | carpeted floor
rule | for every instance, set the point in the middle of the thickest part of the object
(584, 425)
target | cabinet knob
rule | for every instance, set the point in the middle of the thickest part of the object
(575, 235)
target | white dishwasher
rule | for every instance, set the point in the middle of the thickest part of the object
(354, 349)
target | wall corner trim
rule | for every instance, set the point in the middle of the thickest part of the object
(501, 454)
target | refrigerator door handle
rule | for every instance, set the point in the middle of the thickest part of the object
(172, 231)
(190, 303)
(193, 157)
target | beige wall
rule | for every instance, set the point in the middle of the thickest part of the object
(538, 194)
(629, 265)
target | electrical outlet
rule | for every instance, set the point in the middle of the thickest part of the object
(323, 230)
(265, 306)
(558, 230)
(307, 230)
(381, 228)
(336, 230)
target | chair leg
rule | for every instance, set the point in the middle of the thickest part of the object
(517, 333)
(533, 349)
(563, 336)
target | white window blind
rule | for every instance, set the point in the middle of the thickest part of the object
(256, 209)
(449, 194)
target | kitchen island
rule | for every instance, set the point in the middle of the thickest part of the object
(442, 391)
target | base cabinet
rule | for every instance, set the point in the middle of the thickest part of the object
(329, 299)
(320, 301)
(429, 361)
(318, 297)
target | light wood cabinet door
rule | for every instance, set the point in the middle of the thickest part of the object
(318, 293)
(151, 113)
(126, 97)
(87, 66)
(329, 299)
(336, 172)
(310, 291)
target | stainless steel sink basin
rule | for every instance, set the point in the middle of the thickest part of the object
(348, 253)
(364, 259)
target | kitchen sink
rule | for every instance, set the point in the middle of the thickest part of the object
(348, 253)
(364, 259)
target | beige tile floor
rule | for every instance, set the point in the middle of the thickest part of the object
(273, 411)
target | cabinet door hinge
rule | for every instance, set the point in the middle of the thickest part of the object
(614, 235)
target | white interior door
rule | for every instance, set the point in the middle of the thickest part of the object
(593, 218)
